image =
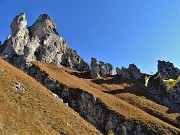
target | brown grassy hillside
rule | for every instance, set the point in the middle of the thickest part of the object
(125, 97)
(35, 111)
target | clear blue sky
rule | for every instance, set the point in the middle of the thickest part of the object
(115, 31)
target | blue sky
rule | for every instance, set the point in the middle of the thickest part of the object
(120, 32)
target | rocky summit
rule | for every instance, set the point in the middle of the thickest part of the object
(39, 42)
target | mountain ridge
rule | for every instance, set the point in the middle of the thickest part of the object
(105, 100)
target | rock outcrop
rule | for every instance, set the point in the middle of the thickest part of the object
(109, 69)
(167, 70)
(101, 69)
(125, 73)
(132, 72)
(94, 68)
(158, 89)
(39, 42)
(118, 71)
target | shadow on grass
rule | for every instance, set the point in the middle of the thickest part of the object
(84, 74)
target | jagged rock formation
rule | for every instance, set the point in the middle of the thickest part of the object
(101, 69)
(39, 42)
(167, 70)
(109, 69)
(132, 72)
(106, 69)
(158, 89)
(125, 73)
(94, 68)
(118, 71)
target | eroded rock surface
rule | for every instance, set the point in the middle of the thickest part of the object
(94, 68)
(167, 70)
(39, 42)
(101, 69)
(132, 72)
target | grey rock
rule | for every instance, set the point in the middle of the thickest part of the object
(158, 89)
(134, 72)
(43, 26)
(95, 71)
(125, 73)
(109, 69)
(103, 69)
(39, 42)
(118, 71)
(167, 70)
(17, 86)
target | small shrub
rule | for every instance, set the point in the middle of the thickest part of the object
(171, 83)
(110, 132)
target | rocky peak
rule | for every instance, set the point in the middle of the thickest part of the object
(15, 44)
(39, 42)
(167, 70)
(43, 26)
(18, 23)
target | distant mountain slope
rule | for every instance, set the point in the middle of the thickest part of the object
(131, 112)
(30, 109)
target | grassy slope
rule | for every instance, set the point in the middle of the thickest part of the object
(136, 95)
(128, 104)
(35, 111)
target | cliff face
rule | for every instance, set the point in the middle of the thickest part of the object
(41, 42)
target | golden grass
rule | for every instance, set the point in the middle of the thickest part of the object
(35, 111)
(73, 79)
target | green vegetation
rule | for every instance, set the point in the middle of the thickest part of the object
(146, 80)
(110, 132)
(171, 83)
